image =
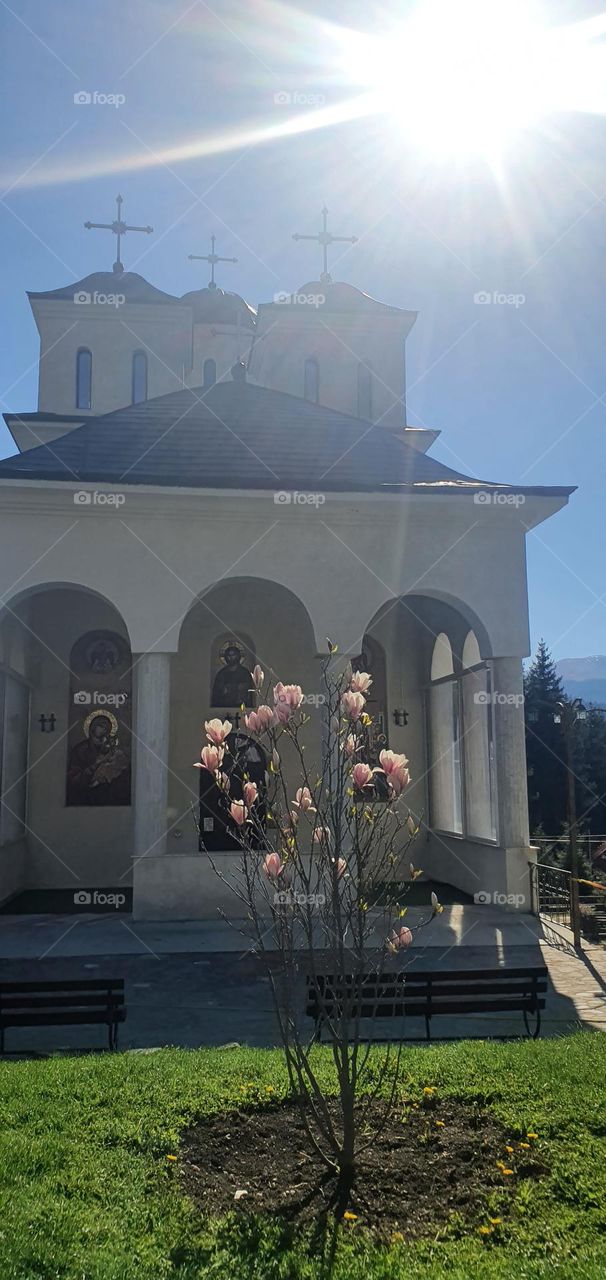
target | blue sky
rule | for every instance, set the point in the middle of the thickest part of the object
(518, 391)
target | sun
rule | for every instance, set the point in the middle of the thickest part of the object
(464, 77)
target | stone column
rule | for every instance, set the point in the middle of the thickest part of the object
(152, 710)
(512, 781)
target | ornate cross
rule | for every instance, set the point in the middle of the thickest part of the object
(119, 229)
(325, 237)
(211, 257)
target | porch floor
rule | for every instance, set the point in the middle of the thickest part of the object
(197, 983)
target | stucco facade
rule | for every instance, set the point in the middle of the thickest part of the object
(173, 568)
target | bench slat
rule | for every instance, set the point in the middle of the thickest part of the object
(11, 1003)
(84, 984)
(63, 1019)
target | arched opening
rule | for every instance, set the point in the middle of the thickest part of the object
(235, 625)
(209, 374)
(365, 391)
(139, 379)
(84, 378)
(65, 694)
(311, 381)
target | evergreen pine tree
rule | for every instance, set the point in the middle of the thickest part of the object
(545, 748)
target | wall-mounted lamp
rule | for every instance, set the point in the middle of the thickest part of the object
(400, 717)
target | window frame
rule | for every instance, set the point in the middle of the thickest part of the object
(84, 351)
(456, 679)
(311, 364)
(138, 355)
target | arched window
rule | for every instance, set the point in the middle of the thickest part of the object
(445, 740)
(84, 378)
(209, 374)
(365, 391)
(139, 388)
(311, 383)
(478, 743)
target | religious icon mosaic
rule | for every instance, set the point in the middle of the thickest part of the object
(99, 735)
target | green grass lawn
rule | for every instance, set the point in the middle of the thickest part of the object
(87, 1192)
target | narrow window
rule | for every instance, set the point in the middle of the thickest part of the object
(209, 374)
(84, 377)
(139, 389)
(445, 740)
(311, 384)
(365, 392)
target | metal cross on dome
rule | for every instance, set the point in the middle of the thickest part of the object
(119, 229)
(324, 238)
(211, 257)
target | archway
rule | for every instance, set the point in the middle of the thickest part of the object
(263, 623)
(55, 848)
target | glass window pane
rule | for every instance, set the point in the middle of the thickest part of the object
(478, 755)
(84, 370)
(209, 373)
(445, 746)
(311, 389)
(139, 377)
(365, 392)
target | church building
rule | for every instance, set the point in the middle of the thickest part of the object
(205, 486)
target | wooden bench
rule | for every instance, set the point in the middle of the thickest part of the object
(429, 994)
(74, 1003)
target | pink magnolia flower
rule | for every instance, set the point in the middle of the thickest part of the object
(250, 794)
(258, 676)
(260, 720)
(292, 694)
(395, 768)
(351, 745)
(360, 682)
(272, 866)
(304, 800)
(238, 812)
(212, 758)
(341, 867)
(361, 775)
(217, 730)
(284, 712)
(399, 939)
(321, 835)
(353, 704)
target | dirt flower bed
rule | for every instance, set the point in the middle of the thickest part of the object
(436, 1162)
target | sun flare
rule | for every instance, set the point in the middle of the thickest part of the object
(466, 78)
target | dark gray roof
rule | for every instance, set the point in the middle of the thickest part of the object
(238, 436)
(134, 287)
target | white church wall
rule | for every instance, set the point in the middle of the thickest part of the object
(288, 335)
(154, 554)
(225, 344)
(113, 333)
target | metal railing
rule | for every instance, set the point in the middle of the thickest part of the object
(578, 904)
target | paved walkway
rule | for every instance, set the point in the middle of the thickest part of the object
(198, 984)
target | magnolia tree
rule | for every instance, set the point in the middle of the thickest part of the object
(319, 877)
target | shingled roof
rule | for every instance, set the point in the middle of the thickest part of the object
(238, 436)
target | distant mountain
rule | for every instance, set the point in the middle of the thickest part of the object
(584, 678)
